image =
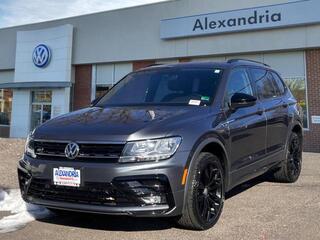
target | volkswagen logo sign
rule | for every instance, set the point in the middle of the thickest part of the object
(72, 150)
(41, 55)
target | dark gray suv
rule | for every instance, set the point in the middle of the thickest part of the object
(167, 141)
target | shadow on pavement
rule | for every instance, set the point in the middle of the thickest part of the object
(246, 185)
(128, 224)
(110, 223)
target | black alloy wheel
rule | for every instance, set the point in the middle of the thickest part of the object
(294, 156)
(204, 193)
(209, 192)
(290, 168)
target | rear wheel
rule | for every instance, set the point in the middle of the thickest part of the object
(205, 194)
(291, 167)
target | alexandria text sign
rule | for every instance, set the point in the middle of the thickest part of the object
(275, 16)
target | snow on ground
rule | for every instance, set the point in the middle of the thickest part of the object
(21, 212)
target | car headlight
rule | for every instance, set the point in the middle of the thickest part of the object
(150, 150)
(29, 147)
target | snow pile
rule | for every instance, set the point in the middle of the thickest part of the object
(21, 212)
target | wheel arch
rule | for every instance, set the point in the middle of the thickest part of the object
(217, 149)
(297, 128)
(212, 145)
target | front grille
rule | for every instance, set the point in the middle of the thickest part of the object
(91, 193)
(88, 151)
(121, 192)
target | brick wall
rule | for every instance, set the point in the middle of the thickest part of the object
(312, 137)
(142, 64)
(82, 86)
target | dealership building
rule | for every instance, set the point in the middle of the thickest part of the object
(51, 68)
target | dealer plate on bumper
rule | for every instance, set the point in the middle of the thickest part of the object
(63, 176)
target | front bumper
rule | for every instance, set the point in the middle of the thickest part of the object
(142, 189)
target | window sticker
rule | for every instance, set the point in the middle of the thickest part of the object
(194, 102)
(205, 98)
(217, 71)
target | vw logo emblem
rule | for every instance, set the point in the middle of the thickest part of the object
(72, 150)
(41, 55)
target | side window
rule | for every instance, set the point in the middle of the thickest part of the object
(238, 82)
(264, 83)
(279, 83)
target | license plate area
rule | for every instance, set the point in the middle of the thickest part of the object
(66, 176)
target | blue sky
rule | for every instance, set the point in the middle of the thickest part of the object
(18, 12)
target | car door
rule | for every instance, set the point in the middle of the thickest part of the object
(275, 107)
(247, 126)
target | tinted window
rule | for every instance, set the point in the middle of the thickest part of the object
(238, 82)
(165, 86)
(279, 83)
(264, 83)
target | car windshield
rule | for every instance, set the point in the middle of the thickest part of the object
(165, 86)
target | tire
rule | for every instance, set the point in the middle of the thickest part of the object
(205, 194)
(290, 169)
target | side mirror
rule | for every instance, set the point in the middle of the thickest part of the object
(95, 101)
(242, 100)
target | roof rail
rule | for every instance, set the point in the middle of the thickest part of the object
(154, 65)
(246, 60)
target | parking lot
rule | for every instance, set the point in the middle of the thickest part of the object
(255, 210)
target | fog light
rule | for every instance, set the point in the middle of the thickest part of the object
(145, 190)
(152, 199)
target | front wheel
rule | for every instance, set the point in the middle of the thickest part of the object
(291, 167)
(205, 194)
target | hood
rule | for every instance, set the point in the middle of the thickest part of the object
(118, 123)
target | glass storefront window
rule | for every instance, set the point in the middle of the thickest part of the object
(41, 97)
(297, 86)
(41, 107)
(5, 106)
(102, 89)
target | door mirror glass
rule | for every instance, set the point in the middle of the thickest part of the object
(241, 100)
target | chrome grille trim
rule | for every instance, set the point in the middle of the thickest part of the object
(80, 142)
(80, 156)
(88, 150)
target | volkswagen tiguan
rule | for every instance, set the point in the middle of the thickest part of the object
(167, 141)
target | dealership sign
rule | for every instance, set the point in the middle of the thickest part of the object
(275, 16)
